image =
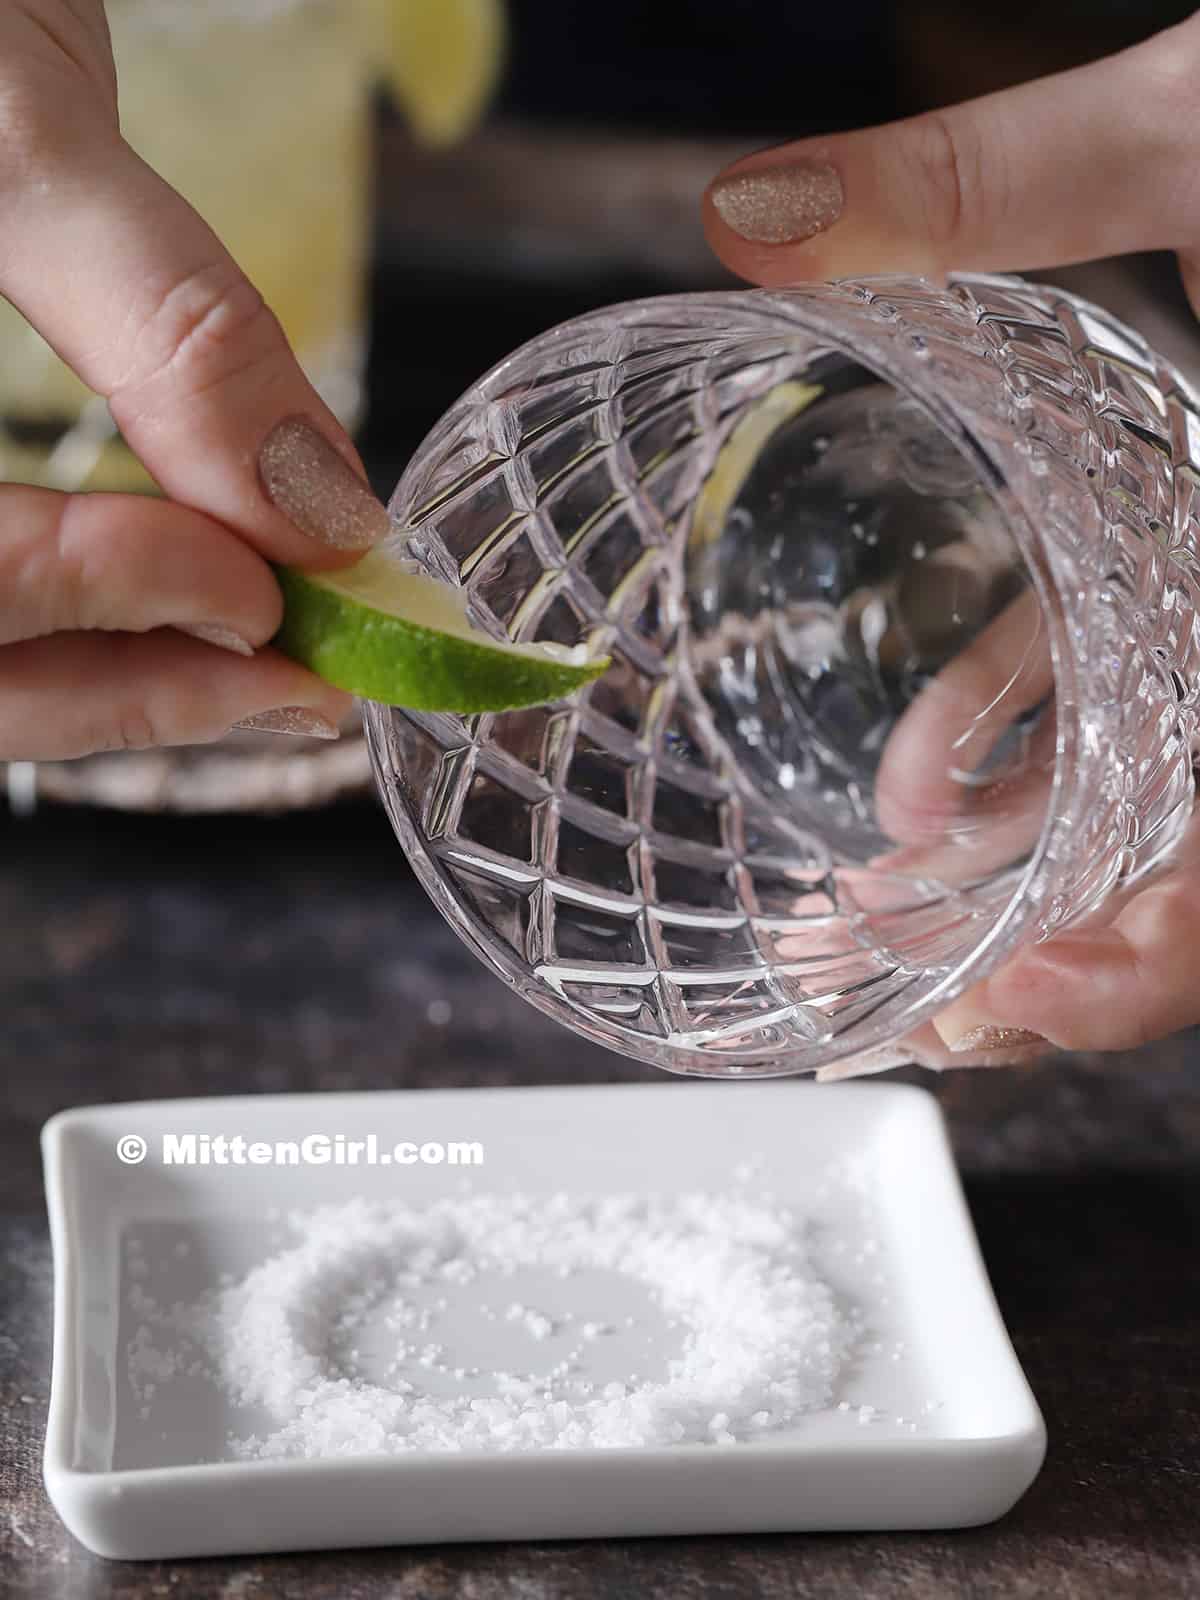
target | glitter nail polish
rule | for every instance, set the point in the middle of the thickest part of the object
(223, 638)
(317, 489)
(782, 204)
(987, 1037)
(298, 720)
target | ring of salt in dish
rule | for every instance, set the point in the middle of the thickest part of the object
(762, 1337)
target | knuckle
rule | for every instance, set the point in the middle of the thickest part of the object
(948, 161)
(195, 334)
(30, 132)
(50, 118)
(1167, 76)
(1156, 922)
(134, 727)
(44, 570)
(1160, 918)
(79, 579)
(88, 565)
(161, 709)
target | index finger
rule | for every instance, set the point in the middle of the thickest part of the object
(1098, 161)
(136, 293)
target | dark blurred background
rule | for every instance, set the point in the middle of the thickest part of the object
(582, 189)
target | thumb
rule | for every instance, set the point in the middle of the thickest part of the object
(1094, 162)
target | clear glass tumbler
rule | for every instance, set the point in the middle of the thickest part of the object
(899, 583)
(258, 112)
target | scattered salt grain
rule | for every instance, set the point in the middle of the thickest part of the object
(536, 1325)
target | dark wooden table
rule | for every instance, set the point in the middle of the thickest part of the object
(166, 957)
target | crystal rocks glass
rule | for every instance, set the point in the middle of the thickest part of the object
(899, 585)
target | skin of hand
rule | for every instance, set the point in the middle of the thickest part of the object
(128, 621)
(1094, 162)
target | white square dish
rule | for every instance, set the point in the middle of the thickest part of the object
(951, 1435)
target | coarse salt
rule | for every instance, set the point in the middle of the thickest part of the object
(762, 1338)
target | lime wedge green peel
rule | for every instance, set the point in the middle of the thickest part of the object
(739, 453)
(388, 634)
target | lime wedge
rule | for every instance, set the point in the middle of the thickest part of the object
(739, 453)
(382, 631)
(441, 59)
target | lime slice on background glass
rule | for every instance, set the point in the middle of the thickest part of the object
(441, 59)
(380, 630)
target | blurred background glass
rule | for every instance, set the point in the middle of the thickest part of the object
(259, 114)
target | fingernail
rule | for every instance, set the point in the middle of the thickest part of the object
(223, 638)
(291, 719)
(317, 489)
(988, 1037)
(995, 1060)
(780, 205)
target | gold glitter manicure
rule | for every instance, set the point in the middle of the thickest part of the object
(223, 638)
(780, 205)
(317, 489)
(298, 720)
(991, 1038)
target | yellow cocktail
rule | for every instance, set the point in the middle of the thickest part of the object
(257, 111)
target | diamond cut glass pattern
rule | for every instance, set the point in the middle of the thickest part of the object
(744, 849)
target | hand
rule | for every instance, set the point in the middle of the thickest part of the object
(1094, 162)
(99, 593)
(1123, 977)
